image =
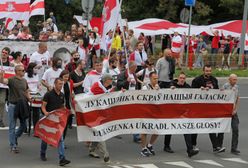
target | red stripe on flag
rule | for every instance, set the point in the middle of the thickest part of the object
(177, 45)
(8, 75)
(24, 7)
(37, 6)
(166, 111)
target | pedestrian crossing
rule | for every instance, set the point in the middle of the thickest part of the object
(184, 164)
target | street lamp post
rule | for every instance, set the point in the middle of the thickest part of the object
(241, 53)
(189, 3)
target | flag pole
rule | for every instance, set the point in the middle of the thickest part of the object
(44, 13)
(124, 40)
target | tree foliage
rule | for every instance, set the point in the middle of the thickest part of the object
(204, 12)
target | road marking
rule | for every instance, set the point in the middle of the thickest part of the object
(135, 166)
(210, 162)
(180, 164)
(146, 166)
(238, 160)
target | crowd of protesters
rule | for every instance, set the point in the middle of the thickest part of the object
(125, 64)
(217, 50)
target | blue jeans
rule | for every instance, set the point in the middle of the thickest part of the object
(13, 134)
(61, 148)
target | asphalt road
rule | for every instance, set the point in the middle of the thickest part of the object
(126, 154)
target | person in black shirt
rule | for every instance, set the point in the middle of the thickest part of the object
(206, 81)
(77, 76)
(180, 82)
(53, 100)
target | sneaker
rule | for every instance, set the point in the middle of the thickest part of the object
(168, 149)
(14, 150)
(43, 157)
(145, 153)
(193, 152)
(235, 151)
(63, 162)
(106, 159)
(94, 155)
(150, 150)
(195, 148)
(220, 149)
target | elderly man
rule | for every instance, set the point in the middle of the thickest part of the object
(100, 87)
(232, 85)
(18, 93)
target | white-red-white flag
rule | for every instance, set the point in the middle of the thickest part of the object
(246, 41)
(10, 23)
(37, 8)
(15, 9)
(110, 16)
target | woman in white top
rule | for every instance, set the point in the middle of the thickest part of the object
(17, 59)
(34, 86)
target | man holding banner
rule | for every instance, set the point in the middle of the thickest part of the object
(101, 87)
(180, 83)
(53, 100)
(147, 149)
(206, 82)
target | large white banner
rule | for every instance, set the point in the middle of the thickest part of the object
(29, 47)
(165, 111)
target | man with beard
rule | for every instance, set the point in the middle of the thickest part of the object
(166, 68)
(205, 82)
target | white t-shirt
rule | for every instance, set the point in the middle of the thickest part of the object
(50, 75)
(33, 83)
(146, 77)
(92, 77)
(41, 59)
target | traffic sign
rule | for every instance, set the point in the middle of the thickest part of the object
(184, 15)
(189, 2)
(88, 5)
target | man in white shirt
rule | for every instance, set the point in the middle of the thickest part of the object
(52, 73)
(42, 58)
(93, 76)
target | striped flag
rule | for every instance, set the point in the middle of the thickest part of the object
(110, 16)
(10, 23)
(51, 128)
(17, 10)
(37, 8)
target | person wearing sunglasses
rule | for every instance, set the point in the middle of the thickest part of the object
(18, 94)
